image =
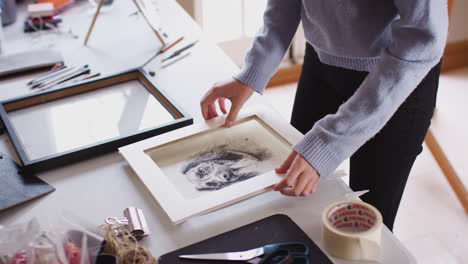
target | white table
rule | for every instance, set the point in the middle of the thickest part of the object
(104, 186)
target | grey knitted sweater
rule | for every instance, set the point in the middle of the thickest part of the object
(396, 41)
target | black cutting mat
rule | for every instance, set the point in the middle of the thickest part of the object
(17, 188)
(271, 230)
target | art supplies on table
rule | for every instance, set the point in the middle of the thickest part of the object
(283, 253)
(271, 230)
(61, 76)
(163, 50)
(41, 10)
(70, 75)
(179, 58)
(134, 222)
(59, 5)
(169, 46)
(41, 23)
(69, 239)
(53, 72)
(180, 51)
(29, 60)
(83, 78)
(147, 9)
(16, 187)
(124, 248)
(352, 230)
(65, 241)
(43, 14)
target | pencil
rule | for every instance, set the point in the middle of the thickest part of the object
(39, 78)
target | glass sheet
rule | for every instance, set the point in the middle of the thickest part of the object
(216, 159)
(80, 120)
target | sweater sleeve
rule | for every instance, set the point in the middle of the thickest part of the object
(280, 22)
(418, 40)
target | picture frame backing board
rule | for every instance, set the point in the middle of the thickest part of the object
(118, 118)
(179, 207)
(29, 60)
(16, 187)
(274, 229)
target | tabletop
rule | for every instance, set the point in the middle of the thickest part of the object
(103, 186)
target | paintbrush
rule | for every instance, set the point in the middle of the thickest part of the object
(52, 77)
(85, 71)
(82, 78)
(54, 81)
(47, 74)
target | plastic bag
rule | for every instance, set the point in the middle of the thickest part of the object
(66, 242)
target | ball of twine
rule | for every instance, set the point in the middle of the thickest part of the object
(124, 246)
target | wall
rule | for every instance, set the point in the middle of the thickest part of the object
(458, 30)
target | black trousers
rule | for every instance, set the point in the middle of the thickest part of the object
(383, 163)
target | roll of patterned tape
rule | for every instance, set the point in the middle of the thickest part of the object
(352, 230)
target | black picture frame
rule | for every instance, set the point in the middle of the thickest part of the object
(181, 119)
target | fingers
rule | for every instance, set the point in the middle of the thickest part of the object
(212, 113)
(222, 105)
(304, 186)
(287, 163)
(207, 104)
(301, 178)
(233, 112)
(233, 90)
(290, 178)
(298, 188)
(310, 187)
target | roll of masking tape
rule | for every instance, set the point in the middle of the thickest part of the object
(352, 230)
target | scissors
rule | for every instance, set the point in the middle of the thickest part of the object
(281, 253)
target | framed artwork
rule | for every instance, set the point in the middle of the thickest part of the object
(197, 169)
(57, 127)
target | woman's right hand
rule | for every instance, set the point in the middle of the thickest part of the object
(233, 90)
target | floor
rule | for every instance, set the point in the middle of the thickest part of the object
(431, 222)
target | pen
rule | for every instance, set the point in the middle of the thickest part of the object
(47, 74)
(179, 51)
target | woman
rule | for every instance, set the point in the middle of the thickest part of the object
(367, 89)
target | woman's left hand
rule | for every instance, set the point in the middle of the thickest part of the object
(301, 178)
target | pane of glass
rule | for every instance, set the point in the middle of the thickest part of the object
(222, 19)
(76, 121)
(253, 13)
(215, 159)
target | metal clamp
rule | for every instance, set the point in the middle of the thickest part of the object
(134, 220)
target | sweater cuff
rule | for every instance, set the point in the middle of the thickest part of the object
(317, 153)
(254, 77)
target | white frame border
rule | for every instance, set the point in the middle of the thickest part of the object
(174, 204)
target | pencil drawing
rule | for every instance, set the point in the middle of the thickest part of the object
(223, 165)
